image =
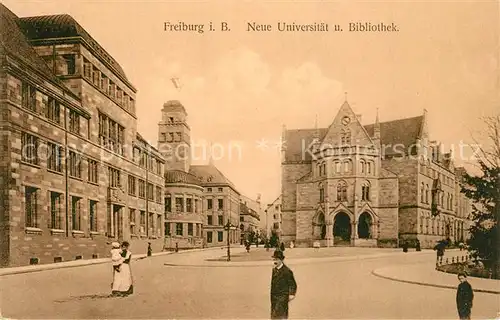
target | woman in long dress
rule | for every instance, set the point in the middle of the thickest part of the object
(122, 281)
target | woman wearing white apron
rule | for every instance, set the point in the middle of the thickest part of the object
(122, 281)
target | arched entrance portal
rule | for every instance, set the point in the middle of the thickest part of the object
(319, 227)
(342, 227)
(364, 226)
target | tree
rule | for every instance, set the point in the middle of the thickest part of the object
(484, 191)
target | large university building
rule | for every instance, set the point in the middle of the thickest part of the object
(369, 185)
(200, 200)
(74, 172)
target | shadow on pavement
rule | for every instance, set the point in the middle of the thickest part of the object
(87, 297)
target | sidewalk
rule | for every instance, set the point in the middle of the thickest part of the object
(86, 262)
(425, 274)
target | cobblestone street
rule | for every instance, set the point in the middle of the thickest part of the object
(327, 289)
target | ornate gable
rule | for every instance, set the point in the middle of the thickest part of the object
(346, 129)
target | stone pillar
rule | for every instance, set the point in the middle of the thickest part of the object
(354, 231)
(329, 234)
(184, 202)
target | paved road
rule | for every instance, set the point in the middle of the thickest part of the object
(333, 290)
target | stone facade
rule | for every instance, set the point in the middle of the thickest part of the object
(357, 185)
(274, 217)
(200, 199)
(72, 151)
(249, 220)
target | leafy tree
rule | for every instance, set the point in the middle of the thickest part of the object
(273, 240)
(484, 191)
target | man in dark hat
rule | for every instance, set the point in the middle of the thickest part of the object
(283, 287)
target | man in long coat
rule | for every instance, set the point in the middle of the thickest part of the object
(465, 295)
(283, 287)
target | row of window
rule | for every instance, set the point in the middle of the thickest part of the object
(107, 86)
(220, 236)
(191, 205)
(56, 205)
(218, 189)
(139, 227)
(220, 220)
(32, 153)
(137, 187)
(439, 197)
(179, 229)
(439, 227)
(49, 107)
(171, 137)
(435, 174)
(142, 158)
(342, 191)
(365, 167)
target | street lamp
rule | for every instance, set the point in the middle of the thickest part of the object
(229, 227)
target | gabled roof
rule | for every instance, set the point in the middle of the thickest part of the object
(402, 132)
(209, 175)
(65, 26)
(179, 176)
(14, 42)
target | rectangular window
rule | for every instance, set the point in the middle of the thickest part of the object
(190, 229)
(220, 189)
(196, 205)
(167, 228)
(158, 167)
(151, 224)
(70, 63)
(209, 237)
(168, 204)
(209, 220)
(220, 236)
(179, 204)
(74, 122)
(96, 76)
(209, 204)
(75, 213)
(220, 203)
(28, 97)
(53, 111)
(55, 210)
(75, 165)
(54, 157)
(93, 215)
(111, 134)
(142, 189)
(150, 191)
(143, 222)
(29, 149)
(220, 220)
(87, 69)
(178, 229)
(93, 168)
(131, 185)
(114, 177)
(31, 207)
(189, 205)
(158, 194)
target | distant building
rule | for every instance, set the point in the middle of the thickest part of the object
(200, 200)
(74, 172)
(273, 214)
(249, 222)
(369, 185)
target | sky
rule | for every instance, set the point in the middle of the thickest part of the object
(240, 87)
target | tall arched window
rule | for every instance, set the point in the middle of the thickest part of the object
(342, 191)
(368, 167)
(426, 193)
(321, 192)
(422, 193)
(337, 167)
(365, 191)
(323, 168)
(347, 166)
(362, 166)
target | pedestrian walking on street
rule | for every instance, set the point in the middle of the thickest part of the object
(122, 281)
(282, 247)
(417, 246)
(283, 287)
(465, 295)
(150, 250)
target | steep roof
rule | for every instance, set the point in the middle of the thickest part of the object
(210, 175)
(14, 42)
(402, 132)
(179, 176)
(65, 26)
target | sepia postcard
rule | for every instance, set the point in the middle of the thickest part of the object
(249, 159)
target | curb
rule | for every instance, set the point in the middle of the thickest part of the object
(264, 263)
(84, 263)
(375, 273)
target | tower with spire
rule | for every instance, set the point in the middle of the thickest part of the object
(174, 137)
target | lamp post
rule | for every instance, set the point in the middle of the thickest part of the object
(228, 227)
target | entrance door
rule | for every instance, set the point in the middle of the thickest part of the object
(342, 227)
(118, 222)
